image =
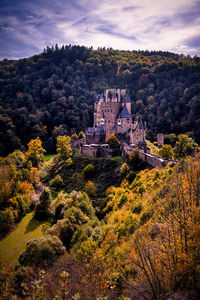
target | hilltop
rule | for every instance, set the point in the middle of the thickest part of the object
(51, 93)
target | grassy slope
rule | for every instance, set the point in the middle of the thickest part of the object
(107, 173)
(15, 243)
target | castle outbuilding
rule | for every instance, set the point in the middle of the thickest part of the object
(137, 132)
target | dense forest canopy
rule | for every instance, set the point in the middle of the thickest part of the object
(51, 94)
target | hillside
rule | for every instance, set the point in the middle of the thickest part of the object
(106, 173)
(51, 94)
(144, 246)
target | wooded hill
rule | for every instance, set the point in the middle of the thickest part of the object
(51, 94)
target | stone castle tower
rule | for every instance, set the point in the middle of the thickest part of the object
(137, 132)
(112, 109)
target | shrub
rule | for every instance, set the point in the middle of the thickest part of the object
(40, 250)
(56, 182)
(88, 171)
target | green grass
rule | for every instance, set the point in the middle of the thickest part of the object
(49, 156)
(15, 243)
(117, 158)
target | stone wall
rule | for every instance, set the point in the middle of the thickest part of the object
(99, 151)
(125, 125)
(95, 139)
(152, 160)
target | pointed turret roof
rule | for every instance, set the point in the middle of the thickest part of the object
(141, 124)
(124, 113)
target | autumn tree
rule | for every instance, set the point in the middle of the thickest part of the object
(184, 146)
(166, 151)
(64, 149)
(35, 152)
(34, 176)
(113, 141)
(90, 189)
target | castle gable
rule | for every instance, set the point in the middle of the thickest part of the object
(124, 113)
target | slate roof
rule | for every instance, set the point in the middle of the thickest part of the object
(137, 123)
(124, 113)
(141, 125)
(99, 130)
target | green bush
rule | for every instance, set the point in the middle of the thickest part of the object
(56, 182)
(88, 171)
(40, 250)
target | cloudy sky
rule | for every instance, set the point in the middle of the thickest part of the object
(28, 26)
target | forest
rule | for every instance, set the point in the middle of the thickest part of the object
(51, 94)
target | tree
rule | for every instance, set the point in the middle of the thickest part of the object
(81, 135)
(43, 207)
(35, 152)
(135, 159)
(34, 176)
(184, 146)
(90, 189)
(166, 151)
(64, 149)
(113, 141)
(74, 136)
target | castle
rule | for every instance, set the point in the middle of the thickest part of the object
(112, 114)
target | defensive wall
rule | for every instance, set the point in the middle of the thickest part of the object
(152, 160)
